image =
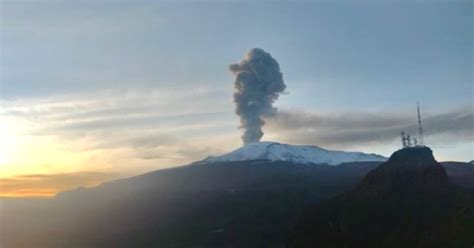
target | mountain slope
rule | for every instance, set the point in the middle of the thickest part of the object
(460, 173)
(243, 204)
(253, 203)
(407, 201)
(274, 151)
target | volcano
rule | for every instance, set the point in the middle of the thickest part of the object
(298, 154)
(264, 194)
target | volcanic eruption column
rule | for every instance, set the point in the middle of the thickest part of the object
(258, 83)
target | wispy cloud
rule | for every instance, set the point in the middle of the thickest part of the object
(362, 128)
(149, 129)
(134, 132)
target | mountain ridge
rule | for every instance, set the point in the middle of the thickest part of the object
(410, 166)
(252, 203)
(301, 154)
(407, 201)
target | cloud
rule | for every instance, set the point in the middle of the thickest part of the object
(49, 184)
(120, 110)
(149, 120)
(362, 128)
(140, 131)
(131, 131)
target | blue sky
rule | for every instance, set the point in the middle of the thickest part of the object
(343, 50)
(109, 61)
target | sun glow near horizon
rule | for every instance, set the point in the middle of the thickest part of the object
(23, 155)
(47, 139)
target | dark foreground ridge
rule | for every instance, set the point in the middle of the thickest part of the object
(232, 204)
(407, 201)
(410, 167)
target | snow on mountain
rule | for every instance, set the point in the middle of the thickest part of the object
(293, 153)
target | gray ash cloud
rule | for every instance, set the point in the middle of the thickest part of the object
(258, 84)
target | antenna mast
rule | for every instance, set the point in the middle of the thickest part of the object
(420, 129)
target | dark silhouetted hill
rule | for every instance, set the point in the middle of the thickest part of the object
(460, 173)
(407, 201)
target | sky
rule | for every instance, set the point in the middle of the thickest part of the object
(93, 91)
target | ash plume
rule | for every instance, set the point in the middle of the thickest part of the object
(258, 83)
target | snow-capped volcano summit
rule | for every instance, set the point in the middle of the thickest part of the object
(274, 151)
